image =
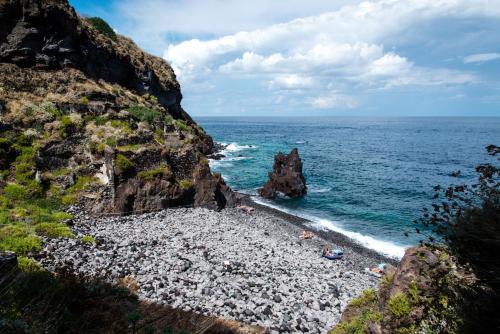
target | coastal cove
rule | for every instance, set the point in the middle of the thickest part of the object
(368, 178)
(252, 268)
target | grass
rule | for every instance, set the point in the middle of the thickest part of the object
(17, 238)
(144, 114)
(54, 230)
(124, 163)
(181, 125)
(100, 120)
(102, 27)
(161, 172)
(28, 265)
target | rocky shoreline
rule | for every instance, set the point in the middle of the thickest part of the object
(250, 267)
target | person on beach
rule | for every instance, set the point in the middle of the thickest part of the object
(326, 251)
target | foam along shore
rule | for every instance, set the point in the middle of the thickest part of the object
(248, 267)
(386, 248)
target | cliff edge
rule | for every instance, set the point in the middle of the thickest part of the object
(87, 117)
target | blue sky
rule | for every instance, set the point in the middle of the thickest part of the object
(319, 57)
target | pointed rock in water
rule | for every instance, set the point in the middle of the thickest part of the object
(286, 177)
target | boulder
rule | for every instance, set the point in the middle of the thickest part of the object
(286, 177)
(8, 267)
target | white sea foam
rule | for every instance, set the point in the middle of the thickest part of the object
(235, 147)
(235, 158)
(313, 190)
(300, 142)
(386, 248)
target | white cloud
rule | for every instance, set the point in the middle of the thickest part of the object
(334, 101)
(350, 47)
(481, 57)
(291, 81)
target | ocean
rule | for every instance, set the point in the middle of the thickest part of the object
(367, 178)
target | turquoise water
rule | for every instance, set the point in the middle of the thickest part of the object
(367, 177)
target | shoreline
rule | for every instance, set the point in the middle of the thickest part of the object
(251, 268)
(326, 234)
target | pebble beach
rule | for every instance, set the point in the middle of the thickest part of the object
(249, 267)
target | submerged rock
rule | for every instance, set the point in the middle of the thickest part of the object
(286, 177)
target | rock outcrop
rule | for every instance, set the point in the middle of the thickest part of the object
(419, 296)
(88, 115)
(286, 177)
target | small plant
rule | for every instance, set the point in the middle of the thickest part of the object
(28, 265)
(144, 114)
(100, 120)
(367, 297)
(398, 304)
(84, 100)
(102, 27)
(100, 148)
(185, 184)
(181, 125)
(66, 126)
(124, 163)
(88, 239)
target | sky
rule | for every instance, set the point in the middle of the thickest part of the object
(321, 57)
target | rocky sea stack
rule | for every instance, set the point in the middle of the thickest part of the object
(286, 177)
(84, 113)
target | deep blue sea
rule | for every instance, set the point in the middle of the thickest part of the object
(367, 178)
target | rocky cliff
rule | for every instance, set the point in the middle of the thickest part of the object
(421, 295)
(86, 116)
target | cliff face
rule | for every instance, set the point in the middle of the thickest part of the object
(84, 113)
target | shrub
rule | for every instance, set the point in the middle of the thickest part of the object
(124, 163)
(466, 218)
(367, 297)
(359, 323)
(398, 304)
(102, 27)
(88, 239)
(185, 184)
(144, 114)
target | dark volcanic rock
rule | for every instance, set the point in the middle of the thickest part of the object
(49, 34)
(100, 114)
(286, 177)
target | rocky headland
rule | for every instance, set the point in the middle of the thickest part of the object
(85, 108)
